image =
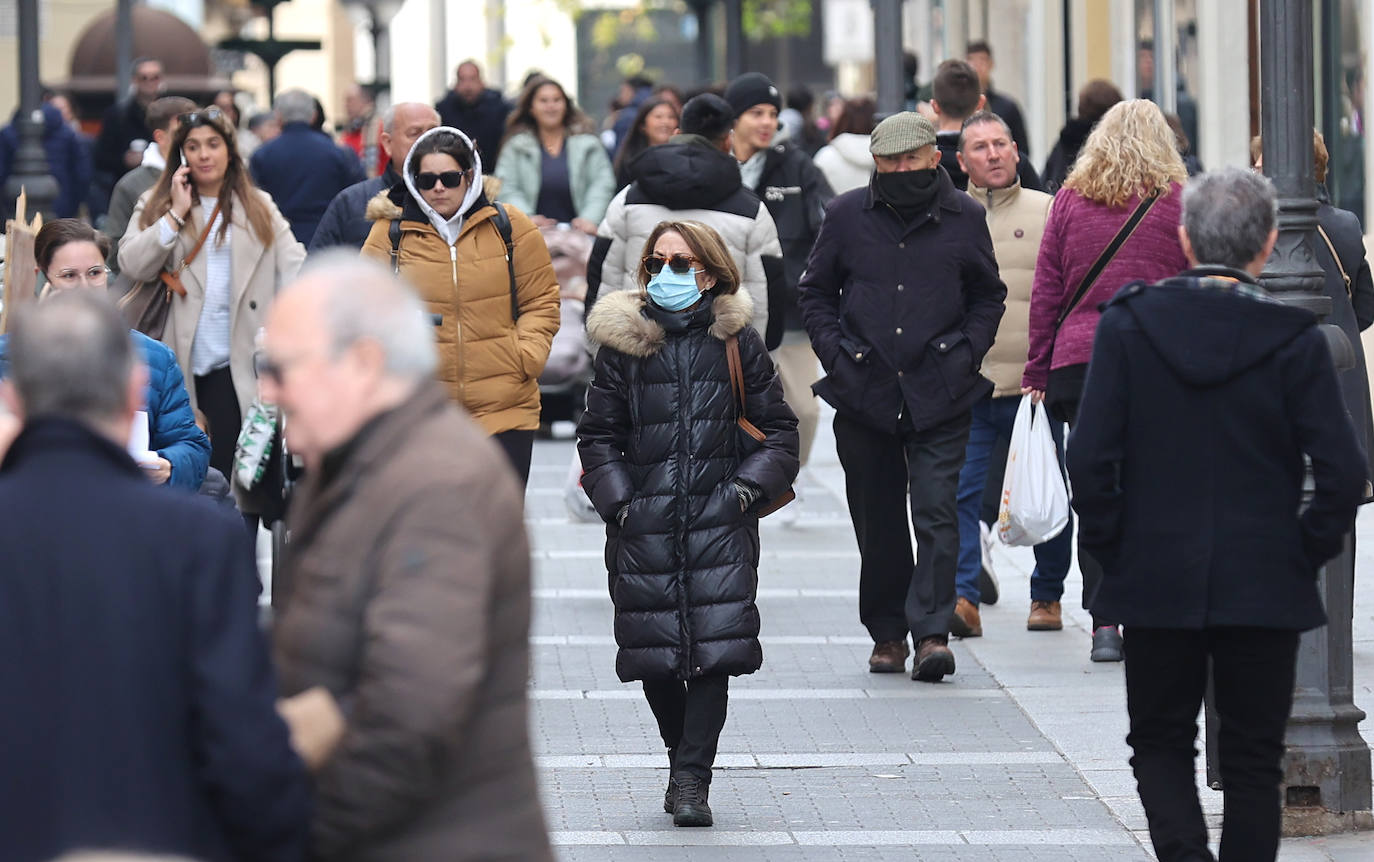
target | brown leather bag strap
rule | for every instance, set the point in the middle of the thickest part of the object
(204, 235)
(1331, 247)
(736, 371)
(173, 279)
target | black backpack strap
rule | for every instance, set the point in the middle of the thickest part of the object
(502, 222)
(1107, 254)
(395, 234)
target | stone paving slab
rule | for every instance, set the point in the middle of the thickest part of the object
(1019, 756)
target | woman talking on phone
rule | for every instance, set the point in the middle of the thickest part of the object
(205, 220)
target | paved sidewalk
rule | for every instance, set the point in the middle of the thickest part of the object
(1019, 756)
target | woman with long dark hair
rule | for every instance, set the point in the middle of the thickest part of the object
(247, 253)
(552, 166)
(654, 123)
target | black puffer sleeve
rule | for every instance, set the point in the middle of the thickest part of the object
(774, 466)
(603, 435)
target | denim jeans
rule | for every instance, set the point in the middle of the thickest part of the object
(994, 418)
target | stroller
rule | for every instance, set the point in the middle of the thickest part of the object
(563, 383)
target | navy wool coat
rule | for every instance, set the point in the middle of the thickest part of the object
(660, 436)
(137, 702)
(900, 313)
(1187, 457)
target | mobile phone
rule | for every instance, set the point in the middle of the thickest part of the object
(182, 153)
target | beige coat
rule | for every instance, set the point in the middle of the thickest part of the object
(408, 598)
(1016, 219)
(257, 273)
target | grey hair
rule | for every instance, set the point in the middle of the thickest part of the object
(1228, 215)
(294, 106)
(980, 117)
(364, 300)
(71, 356)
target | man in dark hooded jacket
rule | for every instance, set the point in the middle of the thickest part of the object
(1203, 396)
(692, 177)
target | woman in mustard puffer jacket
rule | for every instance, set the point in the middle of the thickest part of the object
(493, 336)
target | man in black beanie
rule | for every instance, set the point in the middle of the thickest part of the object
(692, 177)
(796, 193)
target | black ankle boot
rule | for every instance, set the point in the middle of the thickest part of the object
(691, 808)
(670, 795)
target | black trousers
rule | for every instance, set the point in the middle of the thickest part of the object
(519, 448)
(1087, 563)
(1166, 673)
(690, 717)
(216, 398)
(897, 593)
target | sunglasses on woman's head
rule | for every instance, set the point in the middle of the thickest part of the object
(450, 179)
(678, 263)
(207, 117)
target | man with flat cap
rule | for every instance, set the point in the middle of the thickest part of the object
(901, 299)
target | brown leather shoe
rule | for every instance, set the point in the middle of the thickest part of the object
(889, 657)
(934, 661)
(965, 622)
(1045, 617)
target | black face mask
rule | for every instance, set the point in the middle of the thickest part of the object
(907, 191)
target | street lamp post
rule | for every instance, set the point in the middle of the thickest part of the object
(1327, 767)
(705, 50)
(30, 171)
(887, 55)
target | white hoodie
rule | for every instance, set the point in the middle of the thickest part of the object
(447, 228)
(846, 162)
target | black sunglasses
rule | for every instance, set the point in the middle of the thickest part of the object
(450, 179)
(678, 263)
(207, 117)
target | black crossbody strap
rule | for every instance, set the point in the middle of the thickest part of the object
(1107, 254)
(502, 222)
(394, 233)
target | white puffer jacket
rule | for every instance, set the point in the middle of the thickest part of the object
(846, 162)
(688, 180)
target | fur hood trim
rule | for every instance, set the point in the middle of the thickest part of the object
(381, 207)
(616, 321)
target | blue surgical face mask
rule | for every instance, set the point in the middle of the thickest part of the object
(674, 291)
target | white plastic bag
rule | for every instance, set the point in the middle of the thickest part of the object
(1035, 503)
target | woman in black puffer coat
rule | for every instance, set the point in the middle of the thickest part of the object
(668, 469)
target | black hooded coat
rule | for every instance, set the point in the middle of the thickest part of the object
(1187, 457)
(660, 435)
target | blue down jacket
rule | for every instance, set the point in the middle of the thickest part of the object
(172, 429)
(660, 436)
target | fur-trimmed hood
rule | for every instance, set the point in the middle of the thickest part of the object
(618, 321)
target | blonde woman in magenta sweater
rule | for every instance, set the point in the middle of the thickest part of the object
(1132, 152)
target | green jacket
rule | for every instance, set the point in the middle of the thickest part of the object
(589, 173)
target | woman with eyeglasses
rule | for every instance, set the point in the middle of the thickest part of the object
(248, 254)
(668, 469)
(70, 255)
(552, 166)
(494, 318)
